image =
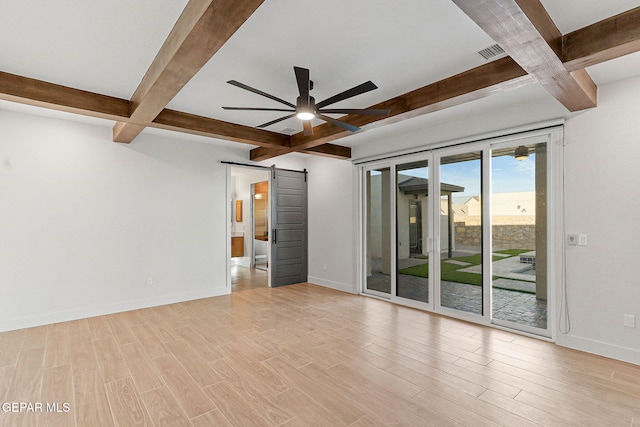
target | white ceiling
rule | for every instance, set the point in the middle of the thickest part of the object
(106, 47)
(570, 15)
(98, 46)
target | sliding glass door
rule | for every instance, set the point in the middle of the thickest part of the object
(377, 210)
(413, 231)
(519, 235)
(462, 231)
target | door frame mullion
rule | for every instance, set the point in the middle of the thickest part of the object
(393, 228)
(434, 249)
(487, 243)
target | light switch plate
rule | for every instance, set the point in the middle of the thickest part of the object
(582, 240)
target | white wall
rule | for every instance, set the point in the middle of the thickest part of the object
(332, 234)
(84, 221)
(602, 183)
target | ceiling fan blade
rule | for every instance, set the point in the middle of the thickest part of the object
(343, 125)
(302, 77)
(360, 89)
(308, 127)
(259, 92)
(257, 109)
(368, 111)
(273, 122)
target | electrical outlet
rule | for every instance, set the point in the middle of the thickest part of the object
(572, 239)
(629, 321)
(582, 240)
(324, 267)
(149, 281)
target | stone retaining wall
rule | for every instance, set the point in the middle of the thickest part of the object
(504, 236)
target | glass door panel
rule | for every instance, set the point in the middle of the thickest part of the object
(519, 235)
(460, 178)
(377, 209)
(412, 231)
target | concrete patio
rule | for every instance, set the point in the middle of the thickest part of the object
(513, 294)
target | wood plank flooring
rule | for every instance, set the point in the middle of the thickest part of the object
(243, 278)
(304, 355)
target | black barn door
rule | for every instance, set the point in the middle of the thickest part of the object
(289, 227)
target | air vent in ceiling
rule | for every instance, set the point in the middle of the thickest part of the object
(491, 52)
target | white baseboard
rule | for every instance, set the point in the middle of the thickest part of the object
(100, 310)
(612, 351)
(344, 287)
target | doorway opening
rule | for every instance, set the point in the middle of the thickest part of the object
(249, 228)
(260, 228)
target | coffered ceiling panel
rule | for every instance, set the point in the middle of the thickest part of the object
(94, 45)
(569, 15)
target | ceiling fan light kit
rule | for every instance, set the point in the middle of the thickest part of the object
(306, 108)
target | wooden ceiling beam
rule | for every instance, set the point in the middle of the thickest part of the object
(203, 27)
(197, 125)
(331, 151)
(212, 128)
(30, 91)
(25, 90)
(605, 40)
(325, 150)
(525, 31)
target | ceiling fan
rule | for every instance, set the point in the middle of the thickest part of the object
(306, 107)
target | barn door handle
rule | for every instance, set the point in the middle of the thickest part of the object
(275, 236)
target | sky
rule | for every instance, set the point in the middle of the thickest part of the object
(508, 175)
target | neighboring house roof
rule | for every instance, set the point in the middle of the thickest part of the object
(471, 199)
(416, 185)
(504, 204)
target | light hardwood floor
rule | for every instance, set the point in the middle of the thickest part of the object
(243, 278)
(304, 355)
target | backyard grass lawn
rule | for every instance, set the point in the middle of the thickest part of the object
(450, 273)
